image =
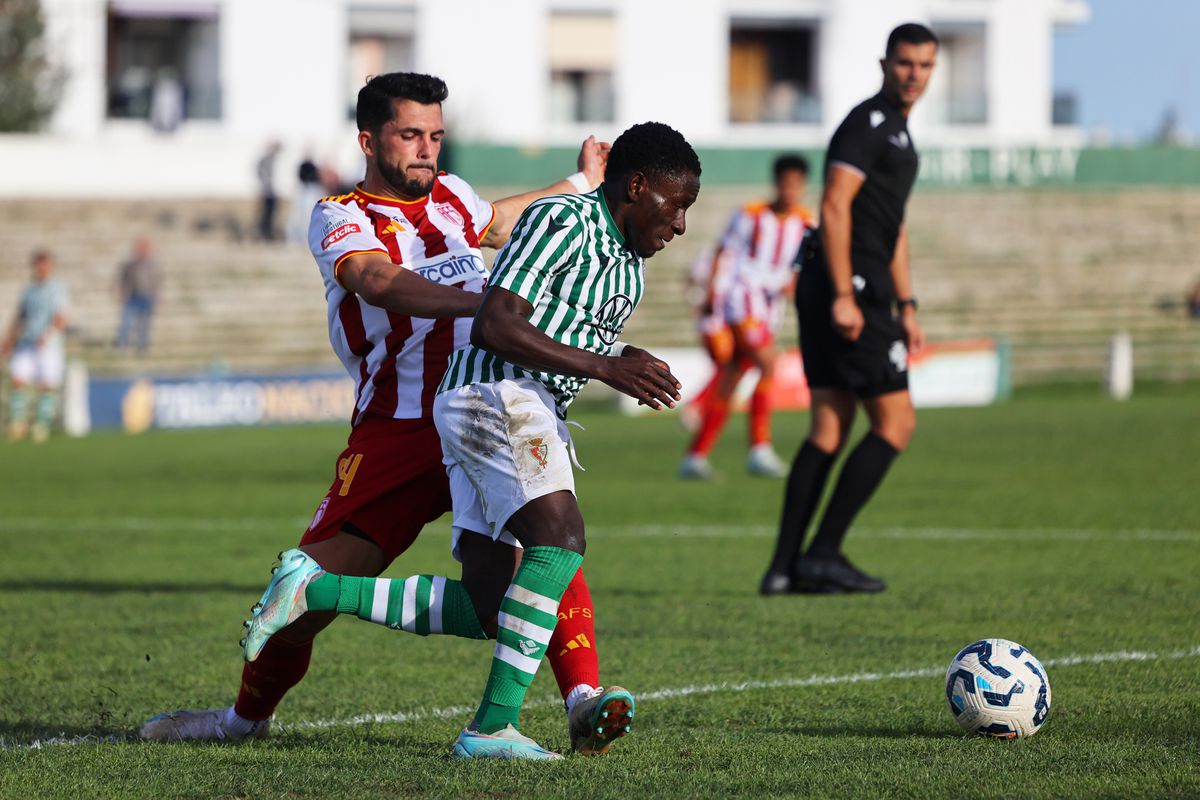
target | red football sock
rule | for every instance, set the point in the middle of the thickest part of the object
(715, 414)
(701, 400)
(268, 678)
(760, 412)
(572, 649)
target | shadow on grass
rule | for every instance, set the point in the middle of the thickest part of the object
(119, 587)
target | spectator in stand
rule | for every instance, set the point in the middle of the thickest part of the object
(35, 342)
(1193, 301)
(309, 193)
(268, 200)
(166, 101)
(138, 284)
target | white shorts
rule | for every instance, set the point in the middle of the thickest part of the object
(39, 366)
(746, 303)
(503, 445)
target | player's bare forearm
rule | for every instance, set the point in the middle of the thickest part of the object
(901, 277)
(593, 157)
(902, 280)
(502, 326)
(374, 278)
(10, 338)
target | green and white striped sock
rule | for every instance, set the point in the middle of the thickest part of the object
(528, 615)
(46, 409)
(420, 604)
(18, 406)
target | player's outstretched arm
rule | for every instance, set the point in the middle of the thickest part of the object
(502, 326)
(593, 156)
(374, 278)
(841, 186)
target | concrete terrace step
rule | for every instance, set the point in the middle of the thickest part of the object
(1054, 271)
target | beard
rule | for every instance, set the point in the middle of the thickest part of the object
(416, 185)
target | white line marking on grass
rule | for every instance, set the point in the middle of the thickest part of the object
(918, 533)
(732, 687)
(293, 524)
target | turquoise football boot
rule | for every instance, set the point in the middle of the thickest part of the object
(506, 743)
(282, 603)
(597, 721)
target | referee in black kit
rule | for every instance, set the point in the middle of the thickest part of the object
(858, 324)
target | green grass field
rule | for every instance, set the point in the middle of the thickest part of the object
(1060, 520)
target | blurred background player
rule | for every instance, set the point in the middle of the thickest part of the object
(403, 270)
(706, 284)
(758, 251)
(35, 343)
(858, 324)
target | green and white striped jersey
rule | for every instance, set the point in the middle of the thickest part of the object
(566, 257)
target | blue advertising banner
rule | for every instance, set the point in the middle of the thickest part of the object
(142, 404)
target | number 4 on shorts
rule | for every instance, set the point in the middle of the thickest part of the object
(346, 470)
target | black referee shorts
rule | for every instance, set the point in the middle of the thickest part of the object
(874, 365)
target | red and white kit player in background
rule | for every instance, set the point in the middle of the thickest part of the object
(403, 269)
(751, 276)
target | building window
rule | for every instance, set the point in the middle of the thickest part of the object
(382, 40)
(163, 63)
(1064, 109)
(772, 68)
(958, 90)
(583, 54)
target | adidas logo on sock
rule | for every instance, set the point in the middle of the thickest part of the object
(579, 641)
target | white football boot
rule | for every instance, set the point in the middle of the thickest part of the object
(696, 468)
(764, 463)
(200, 726)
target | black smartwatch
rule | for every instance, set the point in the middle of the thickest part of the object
(907, 301)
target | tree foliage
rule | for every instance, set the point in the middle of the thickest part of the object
(30, 84)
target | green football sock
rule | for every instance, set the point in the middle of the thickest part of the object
(420, 604)
(528, 615)
(18, 406)
(46, 409)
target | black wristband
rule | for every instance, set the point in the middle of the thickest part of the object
(907, 301)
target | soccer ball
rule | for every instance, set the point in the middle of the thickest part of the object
(998, 688)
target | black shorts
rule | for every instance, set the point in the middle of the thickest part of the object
(874, 365)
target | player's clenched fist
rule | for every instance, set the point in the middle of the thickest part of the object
(847, 317)
(593, 158)
(641, 375)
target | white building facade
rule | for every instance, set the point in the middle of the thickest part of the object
(177, 97)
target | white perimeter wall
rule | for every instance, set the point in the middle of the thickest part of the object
(283, 77)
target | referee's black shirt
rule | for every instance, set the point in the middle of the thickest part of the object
(874, 140)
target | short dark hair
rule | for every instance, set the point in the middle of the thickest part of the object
(375, 106)
(39, 255)
(653, 149)
(909, 33)
(789, 162)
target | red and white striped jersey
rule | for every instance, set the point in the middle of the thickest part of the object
(763, 245)
(397, 360)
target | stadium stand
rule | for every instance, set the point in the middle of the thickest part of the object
(1056, 272)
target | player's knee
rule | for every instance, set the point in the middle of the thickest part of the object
(898, 430)
(827, 440)
(573, 539)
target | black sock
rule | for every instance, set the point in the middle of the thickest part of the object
(805, 484)
(861, 475)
